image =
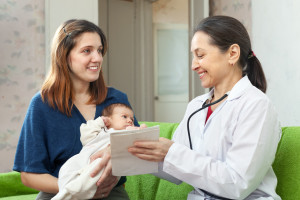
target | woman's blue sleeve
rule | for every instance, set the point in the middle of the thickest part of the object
(31, 154)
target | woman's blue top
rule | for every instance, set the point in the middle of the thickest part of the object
(49, 138)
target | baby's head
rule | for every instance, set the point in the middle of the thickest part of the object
(120, 116)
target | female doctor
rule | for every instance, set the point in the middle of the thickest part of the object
(225, 150)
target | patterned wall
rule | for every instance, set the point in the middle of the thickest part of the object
(22, 68)
(239, 9)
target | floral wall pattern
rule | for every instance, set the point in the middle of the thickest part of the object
(239, 9)
(22, 68)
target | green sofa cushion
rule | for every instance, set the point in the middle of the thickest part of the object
(11, 185)
(287, 164)
(20, 197)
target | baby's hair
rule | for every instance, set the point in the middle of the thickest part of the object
(108, 111)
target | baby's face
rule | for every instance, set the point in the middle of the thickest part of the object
(121, 118)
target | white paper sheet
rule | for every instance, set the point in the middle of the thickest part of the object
(124, 163)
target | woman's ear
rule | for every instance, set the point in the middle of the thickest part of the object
(234, 54)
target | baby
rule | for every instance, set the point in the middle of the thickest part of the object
(74, 180)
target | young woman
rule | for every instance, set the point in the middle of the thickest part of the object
(73, 93)
(226, 149)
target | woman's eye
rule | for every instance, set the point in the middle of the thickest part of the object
(86, 51)
(124, 116)
(100, 51)
(200, 56)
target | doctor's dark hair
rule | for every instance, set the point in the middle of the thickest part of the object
(225, 31)
(57, 88)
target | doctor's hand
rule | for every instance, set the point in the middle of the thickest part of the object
(155, 151)
(107, 181)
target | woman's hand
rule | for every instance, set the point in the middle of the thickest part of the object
(107, 181)
(155, 151)
(105, 188)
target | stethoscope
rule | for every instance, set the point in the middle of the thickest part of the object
(204, 105)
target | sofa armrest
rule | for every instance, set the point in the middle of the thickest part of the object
(11, 185)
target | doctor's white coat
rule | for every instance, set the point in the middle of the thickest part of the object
(233, 152)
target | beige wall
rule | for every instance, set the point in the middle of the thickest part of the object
(239, 9)
(170, 11)
(276, 43)
(22, 71)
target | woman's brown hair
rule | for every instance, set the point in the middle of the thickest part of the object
(57, 89)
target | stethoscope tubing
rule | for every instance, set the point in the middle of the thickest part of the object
(204, 105)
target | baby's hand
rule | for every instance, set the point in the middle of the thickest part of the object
(143, 126)
(106, 121)
(136, 127)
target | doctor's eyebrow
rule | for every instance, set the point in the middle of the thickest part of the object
(196, 50)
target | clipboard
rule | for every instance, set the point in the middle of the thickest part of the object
(123, 162)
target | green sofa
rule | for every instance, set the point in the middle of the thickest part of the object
(149, 187)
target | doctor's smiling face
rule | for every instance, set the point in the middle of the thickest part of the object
(209, 62)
